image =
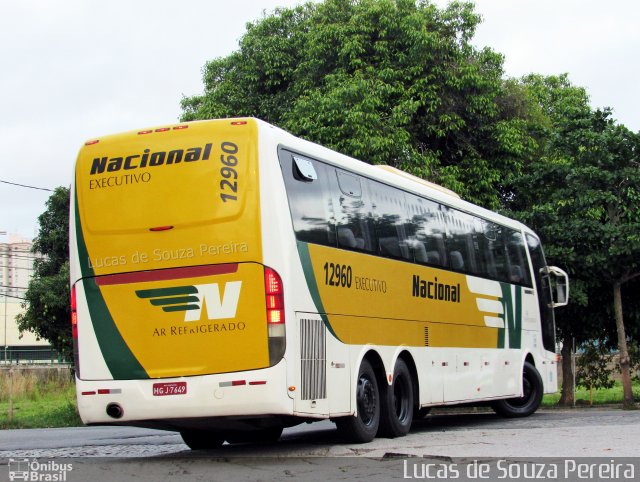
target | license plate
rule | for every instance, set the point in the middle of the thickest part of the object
(171, 388)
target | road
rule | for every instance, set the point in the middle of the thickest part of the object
(314, 452)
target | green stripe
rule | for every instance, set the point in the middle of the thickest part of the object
(515, 335)
(180, 308)
(307, 267)
(83, 254)
(176, 300)
(512, 323)
(176, 290)
(121, 362)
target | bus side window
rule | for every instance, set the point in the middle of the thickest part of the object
(545, 298)
(425, 229)
(486, 235)
(459, 241)
(517, 254)
(309, 199)
(352, 211)
(388, 213)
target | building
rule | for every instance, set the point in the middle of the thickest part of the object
(16, 269)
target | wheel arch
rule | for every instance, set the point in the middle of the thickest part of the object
(530, 358)
(375, 360)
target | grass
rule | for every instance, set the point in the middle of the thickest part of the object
(600, 397)
(37, 398)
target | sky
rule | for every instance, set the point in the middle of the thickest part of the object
(72, 70)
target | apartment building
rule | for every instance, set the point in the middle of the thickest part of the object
(16, 269)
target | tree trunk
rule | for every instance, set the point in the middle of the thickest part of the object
(566, 399)
(625, 372)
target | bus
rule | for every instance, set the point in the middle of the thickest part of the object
(230, 280)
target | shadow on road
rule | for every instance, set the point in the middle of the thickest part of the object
(316, 436)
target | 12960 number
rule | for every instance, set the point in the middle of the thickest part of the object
(229, 161)
(338, 275)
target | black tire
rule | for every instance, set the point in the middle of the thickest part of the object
(202, 439)
(421, 413)
(529, 402)
(258, 436)
(363, 427)
(397, 403)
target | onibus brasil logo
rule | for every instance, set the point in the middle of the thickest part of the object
(191, 299)
(34, 470)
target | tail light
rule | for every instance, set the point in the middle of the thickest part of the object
(74, 314)
(74, 329)
(274, 299)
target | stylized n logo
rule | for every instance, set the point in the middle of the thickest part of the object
(217, 307)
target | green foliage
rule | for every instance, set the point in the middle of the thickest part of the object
(593, 364)
(37, 398)
(47, 298)
(46, 410)
(386, 81)
(581, 196)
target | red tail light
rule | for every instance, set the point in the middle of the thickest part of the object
(74, 314)
(274, 296)
(74, 330)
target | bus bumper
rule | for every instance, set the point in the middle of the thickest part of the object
(150, 403)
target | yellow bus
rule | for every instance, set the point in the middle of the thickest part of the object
(230, 280)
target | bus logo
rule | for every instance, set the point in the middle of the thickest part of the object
(192, 299)
(18, 469)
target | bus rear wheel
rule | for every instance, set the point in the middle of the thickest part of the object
(532, 391)
(259, 436)
(363, 427)
(397, 403)
(202, 439)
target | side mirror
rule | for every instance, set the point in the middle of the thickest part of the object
(559, 286)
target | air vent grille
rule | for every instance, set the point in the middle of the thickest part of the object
(313, 359)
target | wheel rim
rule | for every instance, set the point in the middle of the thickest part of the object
(367, 400)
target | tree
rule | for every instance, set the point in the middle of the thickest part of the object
(588, 204)
(549, 103)
(47, 307)
(386, 81)
(593, 368)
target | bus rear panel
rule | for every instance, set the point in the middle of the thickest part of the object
(170, 290)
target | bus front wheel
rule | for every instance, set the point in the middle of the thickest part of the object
(363, 427)
(397, 403)
(532, 391)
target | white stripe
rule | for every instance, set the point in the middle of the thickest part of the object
(494, 322)
(490, 306)
(484, 287)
